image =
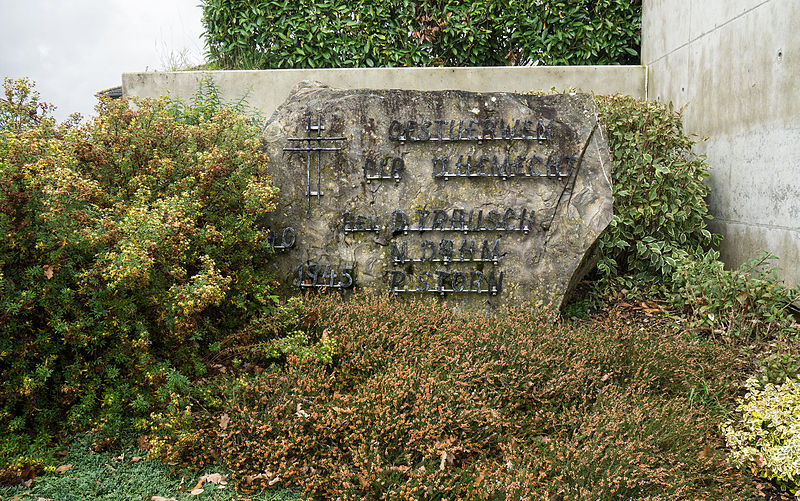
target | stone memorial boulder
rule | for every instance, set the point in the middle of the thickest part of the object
(484, 199)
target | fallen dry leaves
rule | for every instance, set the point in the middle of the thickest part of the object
(215, 478)
(198, 486)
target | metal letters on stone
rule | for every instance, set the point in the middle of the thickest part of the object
(310, 148)
(488, 199)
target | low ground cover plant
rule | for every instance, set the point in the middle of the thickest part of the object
(744, 305)
(766, 437)
(419, 401)
(125, 473)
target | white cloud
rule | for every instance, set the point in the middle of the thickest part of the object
(74, 48)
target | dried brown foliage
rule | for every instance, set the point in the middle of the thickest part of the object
(421, 402)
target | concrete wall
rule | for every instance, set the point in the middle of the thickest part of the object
(736, 63)
(265, 90)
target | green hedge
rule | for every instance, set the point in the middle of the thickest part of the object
(366, 33)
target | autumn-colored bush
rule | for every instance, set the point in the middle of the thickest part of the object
(130, 250)
(421, 402)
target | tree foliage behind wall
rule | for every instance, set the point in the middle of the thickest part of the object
(367, 33)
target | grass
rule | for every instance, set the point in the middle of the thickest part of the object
(116, 475)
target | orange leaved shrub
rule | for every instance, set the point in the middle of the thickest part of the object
(422, 402)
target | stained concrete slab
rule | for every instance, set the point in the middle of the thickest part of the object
(737, 70)
(265, 90)
(661, 38)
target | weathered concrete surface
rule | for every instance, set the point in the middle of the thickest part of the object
(265, 90)
(736, 64)
(542, 225)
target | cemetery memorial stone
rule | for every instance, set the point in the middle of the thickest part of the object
(484, 199)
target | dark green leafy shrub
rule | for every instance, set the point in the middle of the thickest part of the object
(658, 242)
(130, 249)
(422, 402)
(780, 362)
(366, 33)
(746, 305)
(660, 211)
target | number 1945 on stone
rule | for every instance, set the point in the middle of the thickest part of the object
(319, 276)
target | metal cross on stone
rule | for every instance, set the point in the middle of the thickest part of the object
(314, 134)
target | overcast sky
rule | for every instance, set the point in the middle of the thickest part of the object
(74, 48)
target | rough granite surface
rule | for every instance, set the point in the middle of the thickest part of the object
(562, 178)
